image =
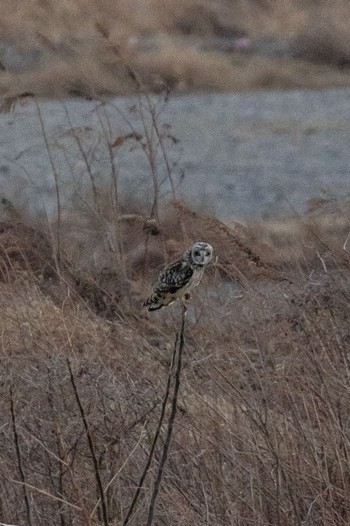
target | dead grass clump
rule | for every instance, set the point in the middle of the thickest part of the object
(324, 47)
(316, 241)
(227, 19)
(238, 250)
(325, 38)
(184, 68)
(25, 249)
(104, 292)
(26, 254)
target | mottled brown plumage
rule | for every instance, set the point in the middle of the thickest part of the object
(178, 278)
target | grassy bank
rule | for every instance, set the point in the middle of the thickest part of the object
(89, 48)
(262, 432)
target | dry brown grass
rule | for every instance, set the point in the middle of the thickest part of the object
(262, 433)
(88, 47)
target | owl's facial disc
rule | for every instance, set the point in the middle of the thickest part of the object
(201, 253)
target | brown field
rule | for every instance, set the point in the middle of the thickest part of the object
(261, 435)
(91, 48)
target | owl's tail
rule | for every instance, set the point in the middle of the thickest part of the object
(152, 302)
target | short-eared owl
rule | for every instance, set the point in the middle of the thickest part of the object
(178, 278)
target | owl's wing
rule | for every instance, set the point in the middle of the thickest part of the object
(174, 277)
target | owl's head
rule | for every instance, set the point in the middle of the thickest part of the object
(201, 253)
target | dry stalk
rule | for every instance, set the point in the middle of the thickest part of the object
(171, 421)
(57, 251)
(86, 162)
(91, 446)
(155, 439)
(19, 458)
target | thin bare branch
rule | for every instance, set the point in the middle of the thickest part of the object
(19, 458)
(91, 446)
(44, 492)
(171, 420)
(155, 439)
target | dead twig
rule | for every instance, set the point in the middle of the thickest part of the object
(91, 447)
(155, 439)
(19, 458)
(172, 417)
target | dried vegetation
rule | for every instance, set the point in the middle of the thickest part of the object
(88, 48)
(262, 432)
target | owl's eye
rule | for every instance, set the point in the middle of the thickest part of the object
(197, 253)
(207, 252)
